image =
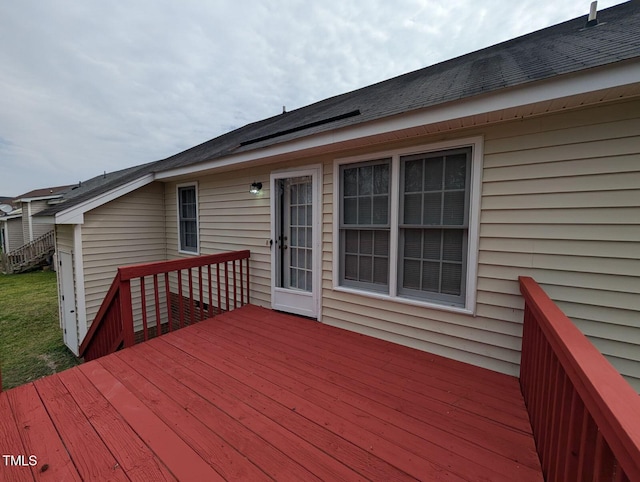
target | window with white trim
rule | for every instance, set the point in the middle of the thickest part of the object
(188, 219)
(420, 250)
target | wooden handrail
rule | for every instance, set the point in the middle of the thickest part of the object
(585, 417)
(12, 262)
(113, 325)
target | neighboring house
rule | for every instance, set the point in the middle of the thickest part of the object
(407, 210)
(19, 228)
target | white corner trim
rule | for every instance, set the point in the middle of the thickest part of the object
(78, 266)
(591, 80)
(75, 214)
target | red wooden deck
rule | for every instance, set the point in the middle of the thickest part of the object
(257, 395)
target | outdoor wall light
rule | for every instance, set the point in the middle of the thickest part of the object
(256, 187)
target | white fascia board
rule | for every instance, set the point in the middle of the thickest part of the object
(596, 79)
(75, 214)
(11, 216)
(39, 198)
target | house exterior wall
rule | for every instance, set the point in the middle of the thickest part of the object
(125, 231)
(560, 202)
(39, 229)
(15, 239)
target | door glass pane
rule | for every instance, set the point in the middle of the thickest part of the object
(298, 234)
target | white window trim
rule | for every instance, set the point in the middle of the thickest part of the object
(194, 185)
(477, 155)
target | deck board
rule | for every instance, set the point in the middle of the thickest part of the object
(256, 395)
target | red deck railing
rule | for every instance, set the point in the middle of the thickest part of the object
(585, 417)
(147, 300)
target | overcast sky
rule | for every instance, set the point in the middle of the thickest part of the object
(93, 85)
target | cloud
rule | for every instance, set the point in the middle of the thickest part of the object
(92, 86)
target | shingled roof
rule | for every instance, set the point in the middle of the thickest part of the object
(562, 49)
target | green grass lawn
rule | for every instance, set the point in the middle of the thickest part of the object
(31, 344)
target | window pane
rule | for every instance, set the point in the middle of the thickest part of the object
(366, 242)
(309, 280)
(381, 243)
(350, 182)
(302, 216)
(351, 241)
(431, 276)
(365, 180)
(294, 215)
(453, 208)
(413, 176)
(381, 210)
(432, 207)
(431, 245)
(309, 255)
(413, 243)
(452, 249)
(380, 270)
(365, 266)
(364, 210)
(351, 267)
(455, 171)
(412, 209)
(309, 238)
(351, 211)
(451, 278)
(381, 179)
(411, 274)
(294, 194)
(433, 174)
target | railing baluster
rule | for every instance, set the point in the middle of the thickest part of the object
(210, 291)
(156, 299)
(218, 286)
(143, 300)
(180, 302)
(241, 285)
(226, 282)
(235, 285)
(167, 289)
(200, 293)
(191, 307)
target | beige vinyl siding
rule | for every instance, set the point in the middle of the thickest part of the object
(15, 237)
(561, 203)
(231, 219)
(39, 229)
(128, 230)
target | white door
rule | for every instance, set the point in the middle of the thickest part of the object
(68, 301)
(295, 234)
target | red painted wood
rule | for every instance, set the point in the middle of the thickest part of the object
(571, 454)
(209, 284)
(218, 288)
(201, 298)
(143, 302)
(44, 443)
(390, 389)
(183, 462)
(156, 298)
(11, 444)
(241, 285)
(353, 457)
(226, 283)
(180, 301)
(91, 456)
(191, 307)
(407, 432)
(608, 398)
(131, 453)
(235, 285)
(223, 414)
(105, 307)
(167, 289)
(126, 312)
(148, 269)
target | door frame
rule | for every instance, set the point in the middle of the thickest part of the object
(278, 295)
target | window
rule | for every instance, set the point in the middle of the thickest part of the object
(188, 219)
(364, 227)
(404, 226)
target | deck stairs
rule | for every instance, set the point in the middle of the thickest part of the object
(29, 256)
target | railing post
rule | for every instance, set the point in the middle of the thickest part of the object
(126, 313)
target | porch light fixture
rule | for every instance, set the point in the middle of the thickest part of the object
(256, 187)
